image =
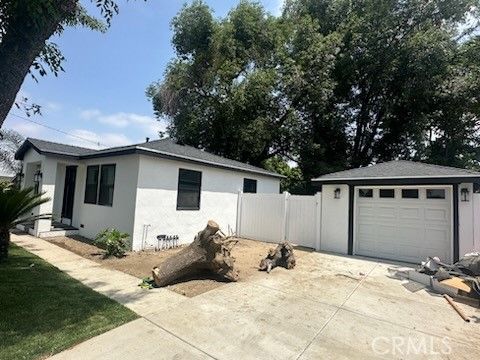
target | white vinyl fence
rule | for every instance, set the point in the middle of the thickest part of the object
(279, 217)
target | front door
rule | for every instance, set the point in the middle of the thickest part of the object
(69, 192)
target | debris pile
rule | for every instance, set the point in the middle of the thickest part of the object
(464, 275)
(282, 256)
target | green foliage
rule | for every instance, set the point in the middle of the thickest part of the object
(330, 84)
(113, 241)
(147, 283)
(28, 25)
(16, 206)
(10, 141)
(294, 182)
(45, 311)
(220, 92)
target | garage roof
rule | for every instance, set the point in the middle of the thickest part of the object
(166, 148)
(398, 169)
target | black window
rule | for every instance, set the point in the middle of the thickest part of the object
(107, 182)
(365, 193)
(476, 188)
(91, 185)
(189, 187)
(249, 186)
(387, 193)
(435, 194)
(410, 193)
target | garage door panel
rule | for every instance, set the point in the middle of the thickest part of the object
(436, 236)
(386, 232)
(367, 211)
(387, 212)
(403, 229)
(409, 213)
(436, 214)
(366, 230)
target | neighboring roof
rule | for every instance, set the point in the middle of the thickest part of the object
(165, 148)
(397, 169)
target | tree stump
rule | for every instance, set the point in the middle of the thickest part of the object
(282, 256)
(210, 250)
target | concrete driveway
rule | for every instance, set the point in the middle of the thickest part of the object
(327, 307)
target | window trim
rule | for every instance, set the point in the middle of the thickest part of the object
(411, 198)
(386, 197)
(436, 198)
(190, 208)
(370, 190)
(96, 185)
(245, 180)
(100, 184)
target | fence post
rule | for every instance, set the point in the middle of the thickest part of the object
(286, 195)
(239, 213)
(318, 221)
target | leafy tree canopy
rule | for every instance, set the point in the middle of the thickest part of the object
(330, 84)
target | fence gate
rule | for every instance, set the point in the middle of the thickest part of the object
(279, 217)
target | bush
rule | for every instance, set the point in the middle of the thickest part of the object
(113, 242)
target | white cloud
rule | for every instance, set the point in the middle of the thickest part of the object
(90, 114)
(53, 106)
(147, 125)
(26, 129)
(87, 138)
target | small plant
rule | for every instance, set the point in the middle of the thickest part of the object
(113, 242)
(147, 283)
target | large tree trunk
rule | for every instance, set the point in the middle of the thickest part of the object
(209, 251)
(25, 36)
(4, 244)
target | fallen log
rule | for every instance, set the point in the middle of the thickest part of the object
(210, 250)
(282, 256)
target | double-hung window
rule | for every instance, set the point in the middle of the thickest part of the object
(189, 189)
(100, 184)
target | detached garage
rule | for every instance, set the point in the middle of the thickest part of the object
(401, 210)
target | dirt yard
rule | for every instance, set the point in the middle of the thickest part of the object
(247, 254)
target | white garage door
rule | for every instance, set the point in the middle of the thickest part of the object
(403, 223)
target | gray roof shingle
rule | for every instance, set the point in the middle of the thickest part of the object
(163, 148)
(57, 148)
(398, 169)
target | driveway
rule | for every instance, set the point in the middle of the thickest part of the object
(329, 306)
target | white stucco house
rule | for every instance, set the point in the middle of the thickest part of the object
(146, 190)
(400, 210)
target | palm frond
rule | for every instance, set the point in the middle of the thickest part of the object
(17, 204)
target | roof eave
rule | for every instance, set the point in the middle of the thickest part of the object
(166, 155)
(403, 180)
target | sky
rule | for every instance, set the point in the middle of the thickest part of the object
(99, 101)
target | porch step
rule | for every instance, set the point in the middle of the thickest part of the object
(59, 232)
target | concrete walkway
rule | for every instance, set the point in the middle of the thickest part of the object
(328, 307)
(116, 285)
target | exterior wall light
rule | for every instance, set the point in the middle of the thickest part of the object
(464, 194)
(336, 193)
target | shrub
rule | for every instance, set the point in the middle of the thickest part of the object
(113, 242)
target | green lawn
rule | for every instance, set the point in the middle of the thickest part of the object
(44, 311)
